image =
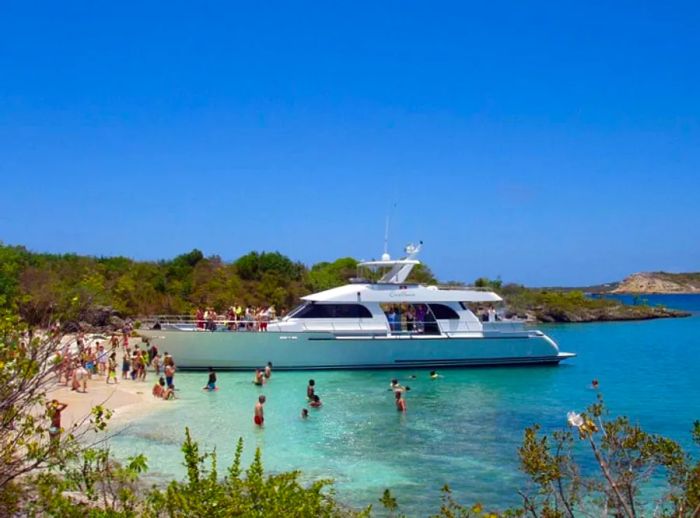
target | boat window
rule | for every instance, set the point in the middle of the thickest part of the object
(443, 312)
(333, 311)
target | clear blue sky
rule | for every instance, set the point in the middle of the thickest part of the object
(549, 143)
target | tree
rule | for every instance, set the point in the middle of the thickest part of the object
(28, 364)
(324, 275)
(485, 282)
(625, 456)
(252, 266)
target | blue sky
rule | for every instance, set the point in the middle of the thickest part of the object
(548, 143)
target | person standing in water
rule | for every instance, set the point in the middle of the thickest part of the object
(169, 375)
(311, 390)
(259, 417)
(268, 370)
(259, 379)
(400, 401)
(211, 383)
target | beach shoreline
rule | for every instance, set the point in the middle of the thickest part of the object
(127, 400)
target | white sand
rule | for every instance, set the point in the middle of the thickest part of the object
(126, 399)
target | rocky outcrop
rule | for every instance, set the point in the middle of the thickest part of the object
(95, 319)
(660, 282)
(617, 312)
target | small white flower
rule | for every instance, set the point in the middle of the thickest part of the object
(574, 419)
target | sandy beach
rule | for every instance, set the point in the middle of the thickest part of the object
(126, 399)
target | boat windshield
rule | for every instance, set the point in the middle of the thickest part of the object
(296, 310)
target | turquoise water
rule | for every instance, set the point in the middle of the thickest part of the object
(463, 429)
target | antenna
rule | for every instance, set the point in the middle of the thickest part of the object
(385, 255)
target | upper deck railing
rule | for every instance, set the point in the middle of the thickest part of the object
(427, 327)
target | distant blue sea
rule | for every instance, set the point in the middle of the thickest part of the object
(463, 429)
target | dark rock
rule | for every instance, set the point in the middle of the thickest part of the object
(116, 323)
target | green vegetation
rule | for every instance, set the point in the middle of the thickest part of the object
(77, 288)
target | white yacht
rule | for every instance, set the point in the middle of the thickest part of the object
(386, 324)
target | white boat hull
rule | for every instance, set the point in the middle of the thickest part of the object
(193, 350)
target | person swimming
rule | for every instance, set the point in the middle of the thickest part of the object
(434, 375)
(397, 387)
(304, 413)
(316, 401)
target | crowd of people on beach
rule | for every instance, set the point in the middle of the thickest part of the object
(81, 363)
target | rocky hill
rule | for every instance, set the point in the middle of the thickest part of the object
(659, 282)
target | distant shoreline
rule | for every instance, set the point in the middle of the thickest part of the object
(649, 293)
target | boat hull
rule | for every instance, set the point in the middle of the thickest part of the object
(324, 351)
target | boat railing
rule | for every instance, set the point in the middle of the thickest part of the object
(165, 320)
(427, 327)
(464, 287)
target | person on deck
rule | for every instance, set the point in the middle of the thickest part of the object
(199, 319)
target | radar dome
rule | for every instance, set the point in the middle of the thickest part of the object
(386, 257)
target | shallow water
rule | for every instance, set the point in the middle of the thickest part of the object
(463, 429)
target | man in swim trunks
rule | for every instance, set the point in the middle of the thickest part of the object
(112, 368)
(311, 390)
(268, 370)
(259, 417)
(169, 375)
